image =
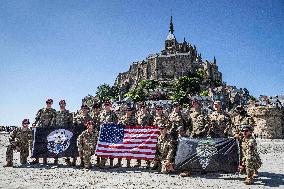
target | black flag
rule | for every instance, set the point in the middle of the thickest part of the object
(50, 142)
(207, 155)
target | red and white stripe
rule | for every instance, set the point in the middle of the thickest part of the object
(139, 142)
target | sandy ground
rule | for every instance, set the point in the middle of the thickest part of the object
(50, 176)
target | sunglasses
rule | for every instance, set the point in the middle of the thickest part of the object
(245, 131)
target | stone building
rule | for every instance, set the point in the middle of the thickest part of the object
(174, 61)
(269, 121)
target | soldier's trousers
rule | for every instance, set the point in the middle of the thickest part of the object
(24, 153)
(87, 155)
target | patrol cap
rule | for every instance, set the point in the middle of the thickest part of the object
(175, 104)
(181, 128)
(239, 107)
(159, 107)
(162, 126)
(49, 101)
(96, 105)
(246, 127)
(217, 102)
(26, 121)
(84, 107)
(129, 108)
(62, 102)
(107, 103)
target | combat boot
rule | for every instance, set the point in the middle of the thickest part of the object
(248, 181)
(128, 163)
(184, 174)
(148, 166)
(8, 164)
(102, 163)
(74, 162)
(111, 162)
(138, 163)
(118, 162)
(68, 162)
(82, 162)
(35, 161)
(255, 174)
(44, 160)
(55, 161)
(98, 161)
(88, 166)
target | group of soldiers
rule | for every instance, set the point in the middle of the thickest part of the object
(196, 124)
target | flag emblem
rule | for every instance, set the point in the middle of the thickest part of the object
(59, 140)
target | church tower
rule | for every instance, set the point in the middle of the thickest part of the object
(171, 42)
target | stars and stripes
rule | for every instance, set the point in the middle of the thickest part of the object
(132, 142)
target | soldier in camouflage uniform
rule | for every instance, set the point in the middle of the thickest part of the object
(130, 120)
(251, 161)
(45, 117)
(63, 119)
(19, 140)
(144, 118)
(164, 152)
(176, 119)
(107, 116)
(240, 117)
(86, 143)
(219, 122)
(160, 118)
(199, 121)
(96, 120)
(83, 117)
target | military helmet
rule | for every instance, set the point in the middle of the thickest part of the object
(162, 126)
(26, 121)
(107, 103)
(159, 106)
(96, 105)
(175, 104)
(62, 102)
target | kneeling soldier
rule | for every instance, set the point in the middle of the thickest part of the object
(164, 152)
(251, 161)
(86, 143)
(19, 140)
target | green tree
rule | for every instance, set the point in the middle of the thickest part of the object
(105, 92)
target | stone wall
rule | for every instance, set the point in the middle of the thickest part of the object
(269, 121)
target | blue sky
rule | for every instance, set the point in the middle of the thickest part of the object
(65, 49)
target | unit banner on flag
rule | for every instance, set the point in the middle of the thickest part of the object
(207, 154)
(55, 141)
(131, 142)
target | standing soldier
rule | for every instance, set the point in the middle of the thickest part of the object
(165, 151)
(199, 121)
(160, 118)
(107, 116)
(96, 121)
(83, 117)
(19, 140)
(63, 119)
(219, 122)
(144, 118)
(176, 119)
(45, 117)
(251, 161)
(240, 117)
(86, 143)
(130, 120)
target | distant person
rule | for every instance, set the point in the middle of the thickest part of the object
(19, 140)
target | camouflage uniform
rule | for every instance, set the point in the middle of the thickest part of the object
(160, 120)
(63, 118)
(239, 120)
(107, 117)
(199, 123)
(19, 138)
(144, 119)
(250, 156)
(45, 117)
(164, 151)
(96, 120)
(176, 120)
(219, 124)
(86, 143)
(80, 119)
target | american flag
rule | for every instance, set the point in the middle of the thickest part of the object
(131, 142)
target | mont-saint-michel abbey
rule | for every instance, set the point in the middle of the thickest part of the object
(174, 61)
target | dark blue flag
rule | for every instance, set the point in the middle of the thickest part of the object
(50, 142)
(208, 155)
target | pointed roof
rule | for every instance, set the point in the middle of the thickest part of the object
(171, 35)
